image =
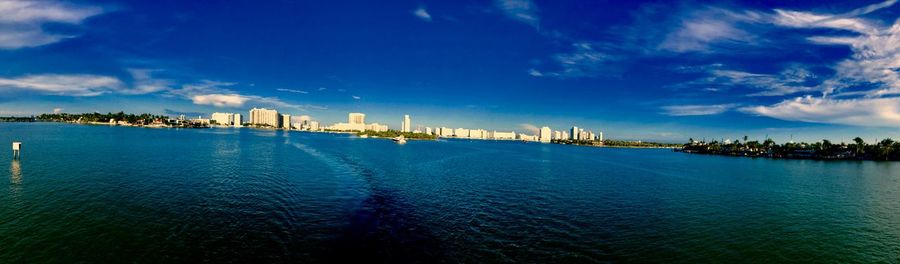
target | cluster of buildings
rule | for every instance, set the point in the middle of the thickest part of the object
(262, 117)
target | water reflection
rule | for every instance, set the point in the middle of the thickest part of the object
(15, 170)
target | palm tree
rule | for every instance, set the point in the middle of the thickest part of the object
(860, 146)
(887, 146)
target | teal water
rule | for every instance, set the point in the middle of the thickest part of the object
(118, 194)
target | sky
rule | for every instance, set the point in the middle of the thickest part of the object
(637, 70)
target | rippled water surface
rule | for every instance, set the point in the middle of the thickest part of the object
(118, 194)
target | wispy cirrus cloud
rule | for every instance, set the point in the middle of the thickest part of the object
(524, 11)
(85, 84)
(789, 81)
(22, 22)
(291, 91)
(218, 94)
(881, 112)
(697, 110)
(421, 13)
(64, 84)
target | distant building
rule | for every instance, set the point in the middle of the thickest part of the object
(574, 133)
(238, 120)
(496, 135)
(224, 119)
(262, 116)
(545, 134)
(461, 133)
(428, 130)
(477, 134)
(356, 118)
(377, 127)
(445, 132)
(405, 125)
(313, 125)
(557, 135)
(286, 121)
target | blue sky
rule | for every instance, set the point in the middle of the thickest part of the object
(661, 70)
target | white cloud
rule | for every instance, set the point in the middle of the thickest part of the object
(884, 112)
(21, 22)
(57, 110)
(530, 128)
(144, 83)
(524, 11)
(535, 73)
(291, 91)
(698, 35)
(695, 110)
(217, 94)
(64, 85)
(583, 61)
(220, 100)
(356, 97)
(422, 13)
(789, 81)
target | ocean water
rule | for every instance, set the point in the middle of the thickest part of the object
(117, 194)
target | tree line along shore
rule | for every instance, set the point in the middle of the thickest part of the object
(884, 150)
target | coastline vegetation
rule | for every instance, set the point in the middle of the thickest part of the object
(98, 117)
(885, 150)
(615, 143)
(16, 119)
(395, 133)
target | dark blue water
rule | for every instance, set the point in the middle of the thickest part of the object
(118, 194)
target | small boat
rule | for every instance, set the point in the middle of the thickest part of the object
(364, 136)
(399, 140)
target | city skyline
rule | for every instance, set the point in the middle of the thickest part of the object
(638, 71)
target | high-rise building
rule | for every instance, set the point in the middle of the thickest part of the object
(286, 122)
(557, 135)
(223, 119)
(428, 130)
(575, 133)
(405, 126)
(545, 134)
(461, 133)
(262, 116)
(600, 136)
(238, 120)
(356, 119)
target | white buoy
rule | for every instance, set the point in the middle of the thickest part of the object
(17, 149)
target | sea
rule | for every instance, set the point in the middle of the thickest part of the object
(101, 194)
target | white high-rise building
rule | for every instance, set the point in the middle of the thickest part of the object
(223, 119)
(356, 118)
(405, 126)
(545, 134)
(461, 133)
(445, 132)
(428, 130)
(314, 125)
(503, 135)
(575, 133)
(557, 135)
(600, 136)
(286, 122)
(238, 120)
(262, 116)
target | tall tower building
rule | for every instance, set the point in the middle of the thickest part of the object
(545, 134)
(405, 126)
(286, 122)
(262, 116)
(356, 119)
(574, 134)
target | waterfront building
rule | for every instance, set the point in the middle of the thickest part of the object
(557, 135)
(377, 127)
(574, 133)
(262, 116)
(355, 122)
(286, 121)
(405, 125)
(525, 137)
(461, 133)
(446, 132)
(223, 119)
(496, 135)
(237, 120)
(313, 125)
(428, 130)
(304, 122)
(600, 136)
(477, 134)
(545, 134)
(356, 118)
